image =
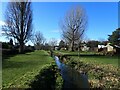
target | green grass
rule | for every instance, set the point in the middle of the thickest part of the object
(73, 52)
(111, 60)
(92, 57)
(18, 70)
(102, 71)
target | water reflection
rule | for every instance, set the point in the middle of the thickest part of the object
(72, 76)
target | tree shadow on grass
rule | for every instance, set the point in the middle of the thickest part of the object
(15, 64)
(27, 54)
(6, 63)
(9, 54)
(46, 79)
(6, 53)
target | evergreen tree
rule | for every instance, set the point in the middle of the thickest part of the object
(114, 39)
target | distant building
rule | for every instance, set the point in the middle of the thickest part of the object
(117, 49)
(84, 47)
(101, 46)
(108, 49)
(56, 47)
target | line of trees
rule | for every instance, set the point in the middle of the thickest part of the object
(19, 25)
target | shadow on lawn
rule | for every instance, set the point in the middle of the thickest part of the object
(46, 79)
(9, 54)
(6, 54)
(15, 64)
(6, 63)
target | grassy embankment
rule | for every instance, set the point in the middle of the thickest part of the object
(19, 70)
(102, 71)
(34, 69)
(92, 57)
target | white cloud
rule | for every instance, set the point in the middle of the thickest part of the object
(2, 23)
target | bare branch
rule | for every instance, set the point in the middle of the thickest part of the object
(19, 21)
(74, 25)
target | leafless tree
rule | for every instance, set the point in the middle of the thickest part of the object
(53, 42)
(38, 39)
(19, 22)
(73, 26)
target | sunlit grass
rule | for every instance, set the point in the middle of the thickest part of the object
(18, 70)
(103, 60)
(92, 57)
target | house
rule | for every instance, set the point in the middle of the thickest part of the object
(117, 49)
(84, 48)
(101, 46)
(108, 49)
(56, 47)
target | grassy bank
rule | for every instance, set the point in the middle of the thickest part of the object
(18, 70)
(102, 71)
(100, 75)
(103, 60)
(91, 57)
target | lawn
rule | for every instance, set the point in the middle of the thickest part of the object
(21, 69)
(17, 71)
(92, 57)
(111, 60)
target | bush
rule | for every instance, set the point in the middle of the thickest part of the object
(9, 51)
(29, 48)
(5, 45)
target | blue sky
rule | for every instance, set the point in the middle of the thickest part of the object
(102, 18)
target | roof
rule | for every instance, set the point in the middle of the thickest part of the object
(117, 46)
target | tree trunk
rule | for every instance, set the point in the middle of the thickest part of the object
(78, 51)
(72, 46)
(21, 49)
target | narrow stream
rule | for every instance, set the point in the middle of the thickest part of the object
(72, 76)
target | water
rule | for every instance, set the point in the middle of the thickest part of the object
(72, 76)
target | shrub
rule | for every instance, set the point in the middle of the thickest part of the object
(9, 51)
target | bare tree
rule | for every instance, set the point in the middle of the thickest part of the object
(53, 42)
(19, 22)
(73, 26)
(38, 39)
